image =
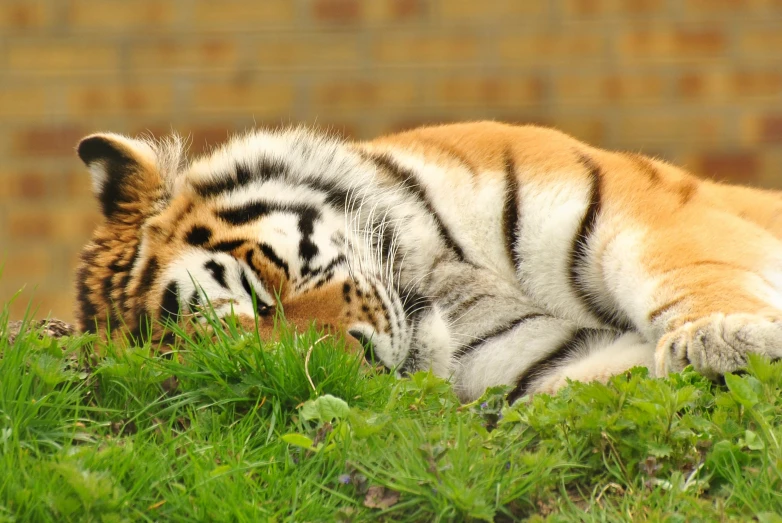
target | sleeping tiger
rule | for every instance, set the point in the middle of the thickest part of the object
(492, 254)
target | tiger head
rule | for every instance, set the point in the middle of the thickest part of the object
(230, 233)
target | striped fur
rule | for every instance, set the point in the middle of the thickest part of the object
(490, 253)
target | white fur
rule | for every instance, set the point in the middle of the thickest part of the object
(600, 364)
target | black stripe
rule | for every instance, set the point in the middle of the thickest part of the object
(243, 175)
(261, 307)
(307, 248)
(169, 306)
(662, 309)
(198, 235)
(222, 183)
(111, 312)
(226, 245)
(217, 270)
(467, 349)
(336, 198)
(413, 304)
(571, 347)
(510, 215)
(256, 209)
(86, 307)
(266, 169)
(148, 275)
(271, 255)
(247, 287)
(408, 181)
(271, 169)
(579, 257)
(457, 311)
(125, 281)
(194, 302)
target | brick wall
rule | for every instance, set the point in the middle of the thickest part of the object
(695, 81)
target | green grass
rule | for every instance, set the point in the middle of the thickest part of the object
(234, 431)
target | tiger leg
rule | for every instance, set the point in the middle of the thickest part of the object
(500, 337)
(705, 299)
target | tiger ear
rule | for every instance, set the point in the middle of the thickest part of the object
(123, 172)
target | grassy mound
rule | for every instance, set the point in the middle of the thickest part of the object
(299, 430)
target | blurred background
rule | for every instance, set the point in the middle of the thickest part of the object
(697, 82)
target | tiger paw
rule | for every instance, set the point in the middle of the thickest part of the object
(719, 343)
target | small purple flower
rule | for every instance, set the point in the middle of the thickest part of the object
(344, 479)
(484, 405)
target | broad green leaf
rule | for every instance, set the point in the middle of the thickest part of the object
(297, 440)
(659, 450)
(325, 408)
(752, 441)
(741, 390)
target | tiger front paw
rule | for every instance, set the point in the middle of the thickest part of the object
(719, 343)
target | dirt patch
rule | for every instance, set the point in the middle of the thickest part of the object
(53, 328)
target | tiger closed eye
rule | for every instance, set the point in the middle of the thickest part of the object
(366, 343)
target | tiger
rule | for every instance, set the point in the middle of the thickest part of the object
(487, 253)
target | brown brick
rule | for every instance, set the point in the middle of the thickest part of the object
(75, 223)
(336, 11)
(115, 99)
(260, 98)
(709, 7)
(738, 167)
(56, 140)
(339, 125)
(78, 186)
(25, 14)
(419, 50)
(30, 100)
(625, 88)
(701, 42)
(771, 129)
(756, 84)
(497, 91)
(207, 137)
(665, 44)
(761, 42)
(702, 86)
(653, 129)
(383, 11)
(362, 94)
(489, 10)
(41, 300)
(61, 56)
(231, 15)
(544, 48)
(592, 129)
(591, 8)
(30, 186)
(26, 263)
(170, 54)
(770, 161)
(30, 224)
(319, 51)
(121, 15)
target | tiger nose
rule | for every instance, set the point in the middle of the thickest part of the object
(366, 343)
